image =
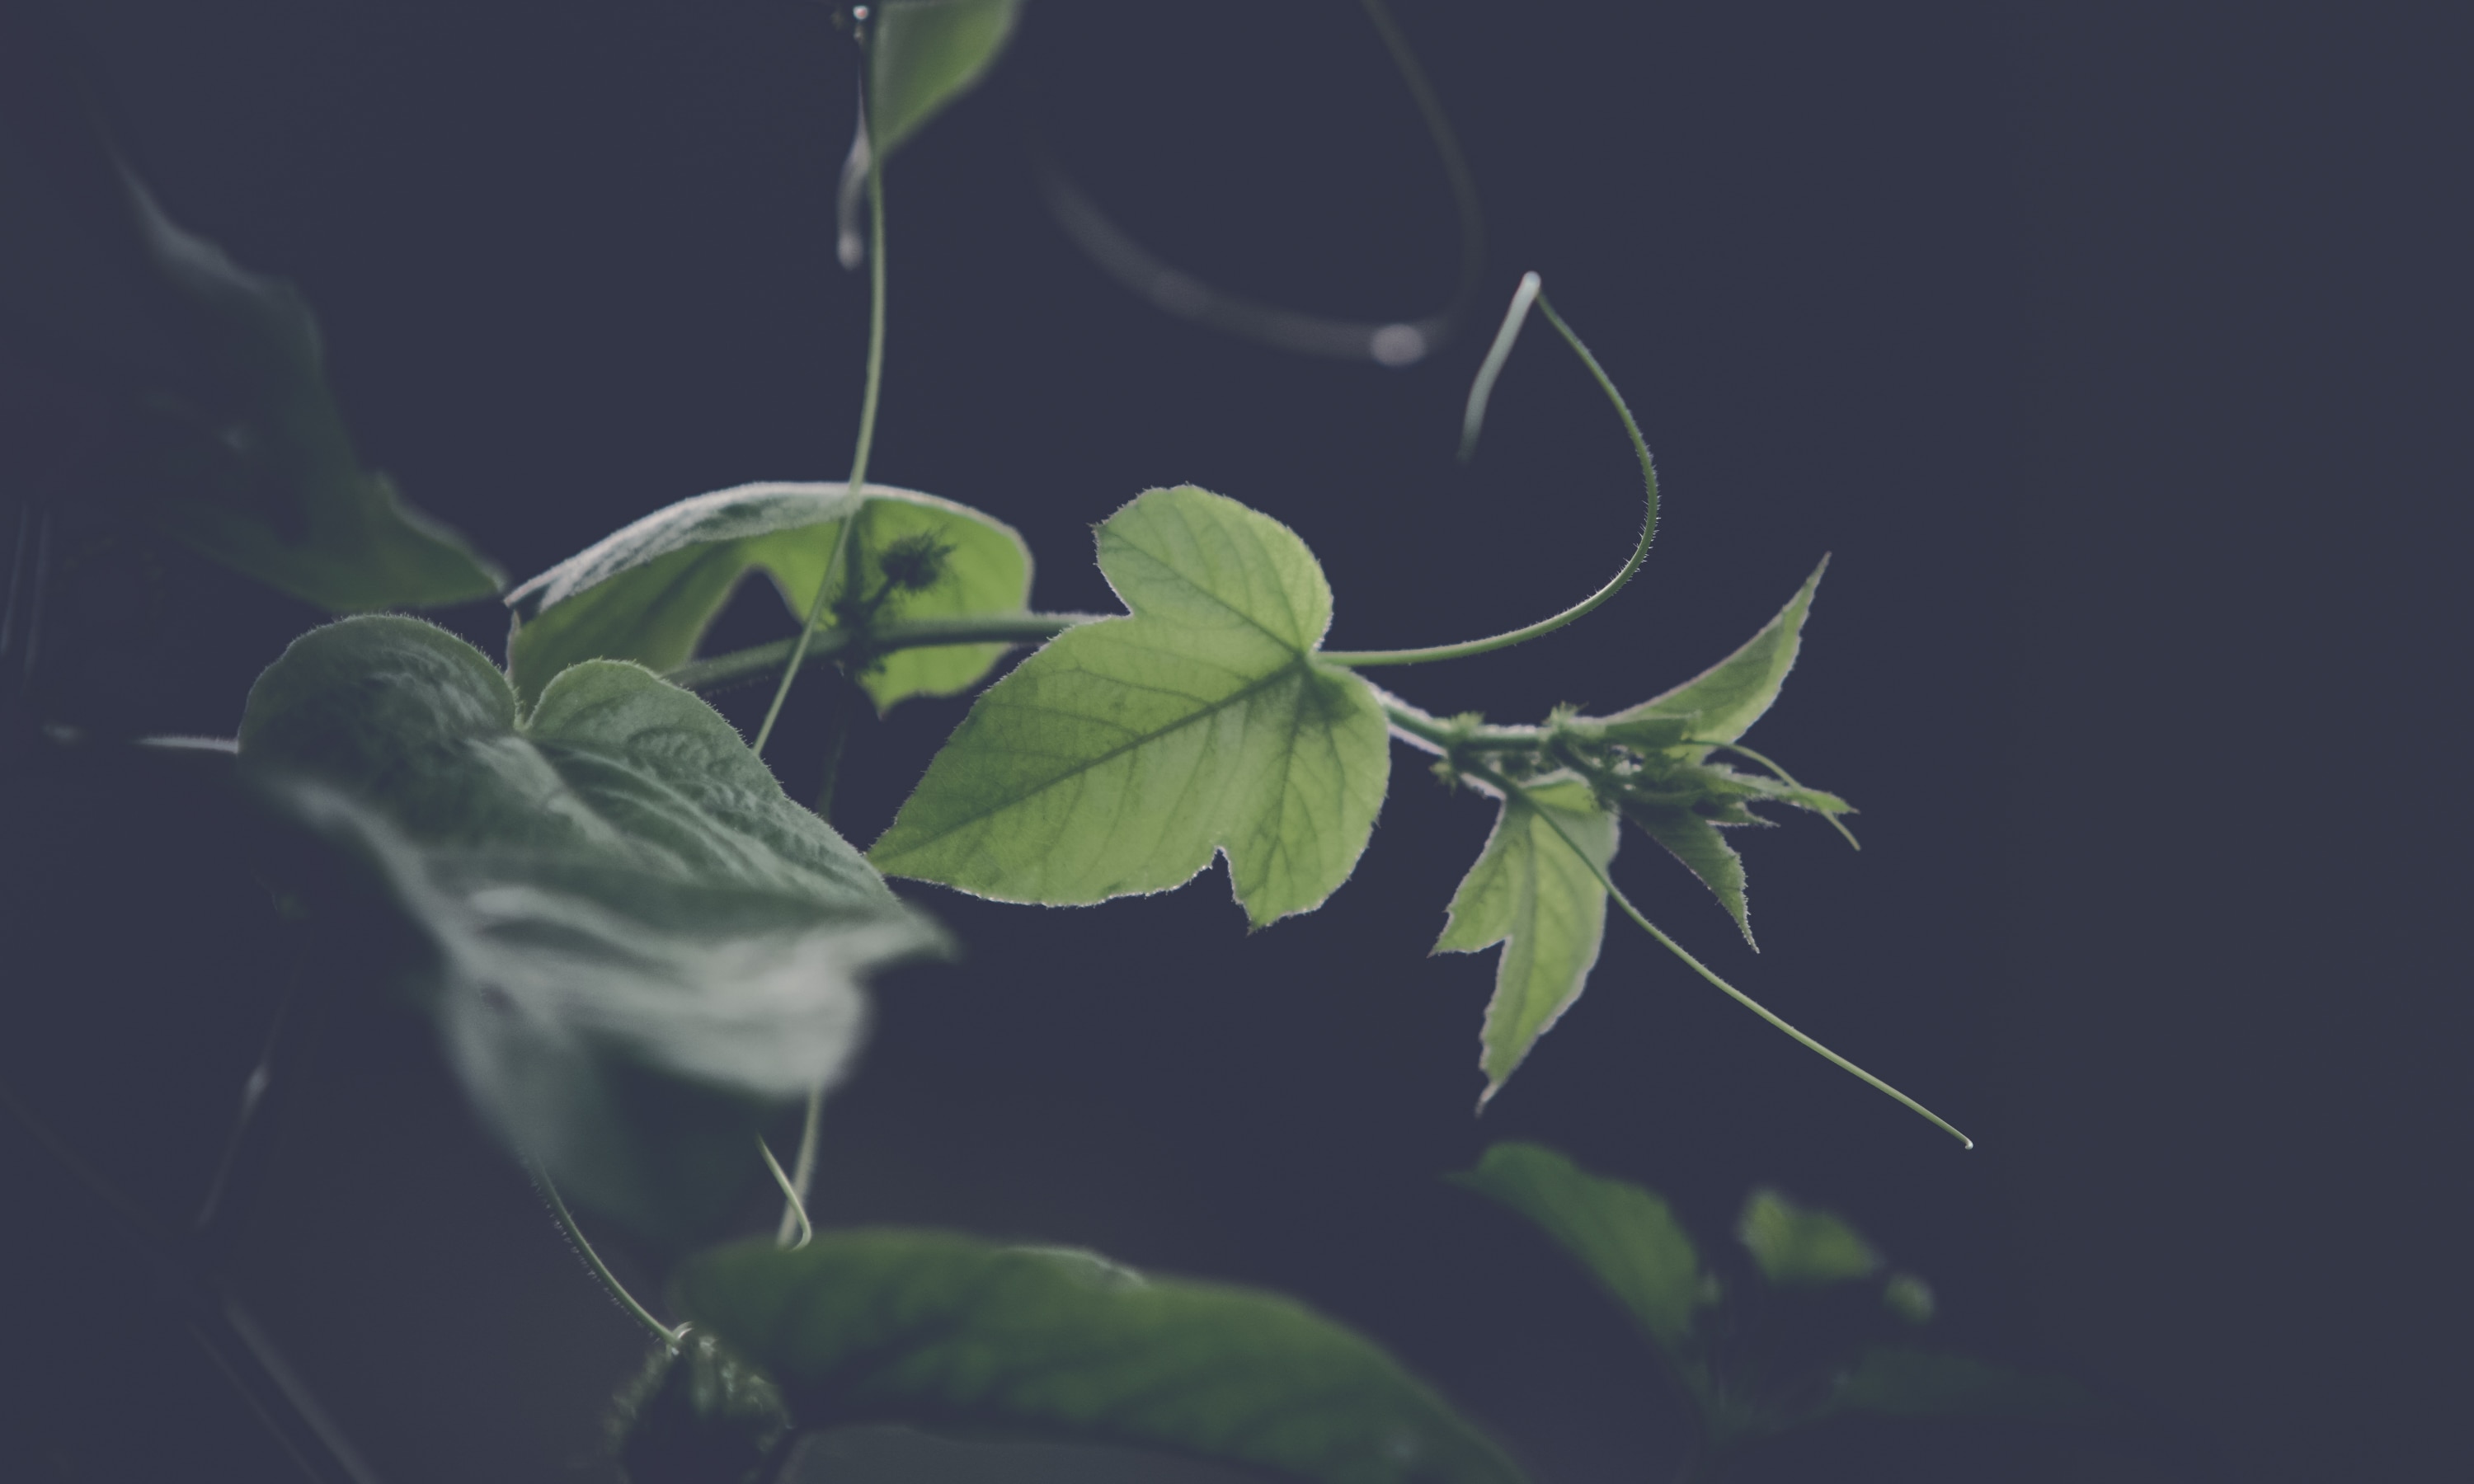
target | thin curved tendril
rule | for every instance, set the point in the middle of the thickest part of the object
(1785, 778)
(1498, 780)
(796, 1206)
(1616, 585)
(592, 1259)
(803, 1172)
(1482, 389)
(856, 487)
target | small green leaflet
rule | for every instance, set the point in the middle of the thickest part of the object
(1533, 893)
(225, 435)
(1725, 700)
(1627, 1239)
(634, 941)
(943, 1332)
(1793, 1245)
(648, 592)
(1694, 840)
(1122, 756)
(922, 55)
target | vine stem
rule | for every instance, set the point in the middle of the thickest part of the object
(1358, 658)
(592, 1259)
(1511, 789)
(858, 485)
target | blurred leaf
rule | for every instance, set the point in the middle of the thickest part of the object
(697, 1414)
(1696, 841)
(1792, 1245)
(1123, 755)
(1626, 1236)
(1532, 892)
(943, 1332)
(225, 434)
(1908, 1296)
(1726, 699)
(636, 942)
(648, 592)
(1896, 1381)
(925, 54)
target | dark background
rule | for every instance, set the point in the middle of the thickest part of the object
(2106, 347)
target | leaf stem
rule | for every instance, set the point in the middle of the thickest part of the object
(1614, 584)
(858, 485)
(592, 1259)
(1510, 788)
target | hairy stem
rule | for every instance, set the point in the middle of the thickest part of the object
(592, 1259)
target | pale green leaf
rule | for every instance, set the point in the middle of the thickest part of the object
(1897, 1382)
(1793, 1245)
(647, 592)
(922, 55)
(634, 941)
(1532, 892)
(1696, 842)
(943, 1332)
(1626, 1236)
(1120, 758)
(225, 434)
(1730, 696)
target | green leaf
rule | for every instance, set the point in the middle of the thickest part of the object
(922, 55)
(696, 1414)
(1897, 1382)
(636, 943)
(943, 1332)
(225, 434)
(1533, 893)
(1730, 696)
(1625, 1236)
(1696, 841)
(649, 591)
(1120, 756)
(1792, 1245)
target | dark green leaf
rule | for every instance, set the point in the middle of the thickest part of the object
(1696, 841)
(1123, 755)
(636, 942)
(225, 435)
(1896, 1381)
(1792, 1245)
(1623, 1234)
(922, 55)
(648, 592)
(1532, 892)
(696, 1414)
(1726, 699)
(944, 1333)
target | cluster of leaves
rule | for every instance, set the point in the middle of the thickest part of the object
(1817, 1328)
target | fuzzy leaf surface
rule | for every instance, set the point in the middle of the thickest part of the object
(1122, 756)
(944, 1333)
(634, 942)
(924, 54)
(1796, 1245)
(1626, 1236)
(1696, 842)
(648, 592)
(1726, 699)
(1533, 893)
(221, 428)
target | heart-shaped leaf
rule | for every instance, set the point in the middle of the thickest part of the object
(924, 54)
(225, 435)
(1794, 1245)
(636, 941)
(941, 1331)
(648, 592)
(1627, 1237)
(1122, 756)
(1726, 699)
(1534, 892)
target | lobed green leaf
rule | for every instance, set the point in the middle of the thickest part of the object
(1533, 891)
(1627, 1237)
(925, 54)
(944, 1333)
(635, 942)
(1123, 755)
(647, 592)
